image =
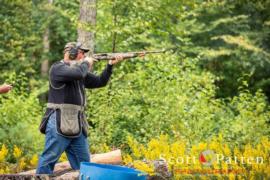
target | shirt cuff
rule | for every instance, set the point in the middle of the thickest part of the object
(109, 67)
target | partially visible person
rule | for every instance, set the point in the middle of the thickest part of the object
(5, 88)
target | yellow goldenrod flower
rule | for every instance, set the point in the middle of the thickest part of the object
(7, 170)
(3, 153)
(63, 157)
(202, 146)
(21, 164)
(265, 143)
(34, 160)
(105, 147)
(226, 150)
(127, 159)
(17, 152)
(236, 162)
(134, 146)
(231, 176)
(142, 166)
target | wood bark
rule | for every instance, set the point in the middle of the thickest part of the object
(46, 49)
(114, 36)
(87, 23)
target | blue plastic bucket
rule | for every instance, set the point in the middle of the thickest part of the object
(93, 171)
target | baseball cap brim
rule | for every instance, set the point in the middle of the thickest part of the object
(84, 49)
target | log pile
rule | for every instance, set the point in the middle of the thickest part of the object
(63, 171)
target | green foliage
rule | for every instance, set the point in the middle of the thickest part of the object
(19, 39)
(232, 40)
(20, 114)
(163, 96)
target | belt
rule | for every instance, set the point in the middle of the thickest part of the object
(69, 106)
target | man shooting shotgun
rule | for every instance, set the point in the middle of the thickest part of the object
(64, 122)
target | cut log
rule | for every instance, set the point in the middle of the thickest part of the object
(113, 157)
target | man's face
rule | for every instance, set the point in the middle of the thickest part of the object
(80, 55)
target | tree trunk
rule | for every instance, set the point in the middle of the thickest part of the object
(87, 22)
(46, 49)
(114, 36)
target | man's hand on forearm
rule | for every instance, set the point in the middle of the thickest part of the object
(5, 88)
(116, 60)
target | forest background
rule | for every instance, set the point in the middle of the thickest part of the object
(213, 81)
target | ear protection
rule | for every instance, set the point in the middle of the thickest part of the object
(73, 52)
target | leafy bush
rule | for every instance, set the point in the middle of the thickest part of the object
(20, 114)
(162, 95)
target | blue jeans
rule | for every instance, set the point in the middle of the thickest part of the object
(77, 149)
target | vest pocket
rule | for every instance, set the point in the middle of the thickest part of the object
(68, 122)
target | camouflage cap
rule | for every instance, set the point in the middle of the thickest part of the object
(74, 45)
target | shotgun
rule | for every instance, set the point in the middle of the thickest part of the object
(125, 55)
